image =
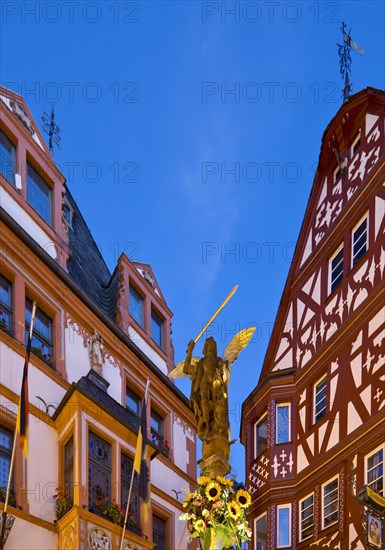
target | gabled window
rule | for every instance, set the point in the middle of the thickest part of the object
(320, 400)
(39, 194)
(157, 329)
(374, 467)
(283, 423)
(136, 306)
(261, 436)
(6, 305)
(330, 503)
(133, 401)
(306, 512)
(284, 526)
(7, 158)
(359, 241)
(260, 533)
(42, 338)
(355, 145)
(336, 269)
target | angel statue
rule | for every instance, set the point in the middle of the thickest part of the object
(210, 377)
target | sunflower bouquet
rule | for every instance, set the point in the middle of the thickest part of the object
(216, 513)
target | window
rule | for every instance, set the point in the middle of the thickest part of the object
(42, 340)
(69, 466)
(6, 318)
(375, 471)
(283, 423)
(39, 194)
(260, 533)
(136, 306)
(320, 399)
(261, 436)
(355, 145)
(336, 269)
(159, 534)
(284, 526)
(306, 511)
(99, 470)
(330, 503)
(157, 433)
(6, 442)
(359, 241)
(157, 327)
(133, 402)
(7, 158)
(134, 508)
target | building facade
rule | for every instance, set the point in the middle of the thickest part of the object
(97, 338)
(314, 424)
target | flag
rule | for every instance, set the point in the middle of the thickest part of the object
(141, 461)
(22, 415)
(348, 40)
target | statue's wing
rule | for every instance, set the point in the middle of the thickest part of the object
(178, 371)
(237, 344)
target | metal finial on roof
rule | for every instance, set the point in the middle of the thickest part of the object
(52, 129)
(344, 50)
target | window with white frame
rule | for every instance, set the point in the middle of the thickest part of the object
(284, 526)
(260, 528)
(283, 423)
(336, 269)
(374, 465)
(330, 503)
(320, 399)
(359, 240)
(306, 512)
(355, 145)
(261, 436)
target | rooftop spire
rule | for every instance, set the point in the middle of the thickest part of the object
(344, 50)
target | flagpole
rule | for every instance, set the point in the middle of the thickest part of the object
(11, 465)
(133, 473)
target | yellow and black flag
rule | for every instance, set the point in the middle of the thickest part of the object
(22, 416)
(141, 461)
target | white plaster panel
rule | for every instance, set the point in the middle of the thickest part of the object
(335, 433)
(307, 251)
(112, 375)
(356, 368)
(358, 341)
(76, 355)
(333, 388)
(147, 349)
(302, 461)
(11, 368)
(165, 478)
(321, 434)
(370, 121)
(376, 321)
(27, 223)
(285, 362)
(354, 420)
(27, 535)
(379, 215)
(310, 442)
(41, 385)
(181, 455)
(42, 468)
(366, 398)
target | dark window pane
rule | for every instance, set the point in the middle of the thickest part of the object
(42, 341)
(69, 466)
(159, 533)
(261, 436)
(157, 329)
(7, 158)
(261, 533)
(136, 306)
(99, 470)
(359, 242)
(126, 473)
(337, 270)
(6, 317)
(133, 401)
(39, 194)
(6, 441)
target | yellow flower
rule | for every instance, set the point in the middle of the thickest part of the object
(243, 498)
(234, 509)
(225, 481)
(203, 480)
(187, 499)
(199, 525)
(213, 491)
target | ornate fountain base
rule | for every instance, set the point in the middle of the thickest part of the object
(215, 461)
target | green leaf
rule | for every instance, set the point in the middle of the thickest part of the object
(208, 540)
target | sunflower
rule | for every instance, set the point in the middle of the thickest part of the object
(187, 499)
(243, 498)
(213, 491)
(203, 480)
(234, 509)
(199, 525)
(225, 481)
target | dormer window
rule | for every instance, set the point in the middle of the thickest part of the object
(157, 329)
(136, 306)
(355, 145)
(7, 158)
(39, 194)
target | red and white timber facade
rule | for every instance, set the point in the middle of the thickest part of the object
(316, 417)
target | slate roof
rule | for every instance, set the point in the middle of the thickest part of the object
(86, 265)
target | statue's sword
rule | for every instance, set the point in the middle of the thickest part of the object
(216, 313)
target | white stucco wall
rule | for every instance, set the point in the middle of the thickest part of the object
(27, 535)
(147, 349)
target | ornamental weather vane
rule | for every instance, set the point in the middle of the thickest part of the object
(344, 51)
(52, 129)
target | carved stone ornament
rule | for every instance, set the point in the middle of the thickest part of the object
(129, 546)
(20, 112)
(147, 276)
(98, 540)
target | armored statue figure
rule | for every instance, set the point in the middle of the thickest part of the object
(95, 349)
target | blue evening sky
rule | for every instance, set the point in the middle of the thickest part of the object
(191, 131)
